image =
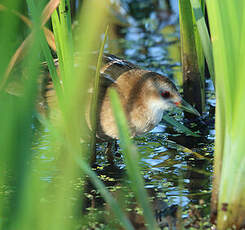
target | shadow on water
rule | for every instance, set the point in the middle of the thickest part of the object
(177, 168)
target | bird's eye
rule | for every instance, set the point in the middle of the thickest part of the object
(165, 94)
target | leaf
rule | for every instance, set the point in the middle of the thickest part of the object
(118, 212)
(49, 9)
(131, 158)
(178, 125)
(204, 36)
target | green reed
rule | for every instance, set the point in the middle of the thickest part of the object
(198, 9)
(16, 124)
(227, 32)
(225, 58)
(131, 159)
(191, 57)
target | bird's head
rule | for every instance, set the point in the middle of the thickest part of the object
(165, 95)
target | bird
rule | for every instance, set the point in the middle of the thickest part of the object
(145, 95)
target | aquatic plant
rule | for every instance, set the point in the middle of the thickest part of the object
(227, 32)
(227, 51)
(192, 57)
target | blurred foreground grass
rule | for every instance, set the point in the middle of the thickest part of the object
(28, 201)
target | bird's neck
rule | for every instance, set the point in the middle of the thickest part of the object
(155, 112)
(145, 115)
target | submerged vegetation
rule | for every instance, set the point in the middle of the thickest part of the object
(52, 188)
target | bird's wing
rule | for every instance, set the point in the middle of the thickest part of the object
(113, 67)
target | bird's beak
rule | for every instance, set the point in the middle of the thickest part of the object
(187, 107)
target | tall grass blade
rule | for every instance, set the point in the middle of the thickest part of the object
(24, 45)
(227, 31)
(51, 66)
(66, 31)
(59, 41)
(131, 159)
(200, 56)
(95, 98)
(192, 85)
(106, 194)
(204, 36)
(48, 10)
(24, 108)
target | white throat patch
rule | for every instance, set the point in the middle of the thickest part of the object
(157, 108)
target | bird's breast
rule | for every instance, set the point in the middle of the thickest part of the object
(145, 120)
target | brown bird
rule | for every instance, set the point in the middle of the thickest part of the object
(144, 95)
